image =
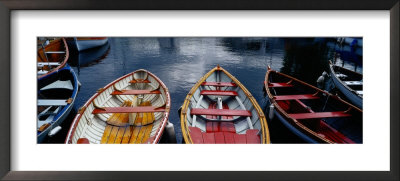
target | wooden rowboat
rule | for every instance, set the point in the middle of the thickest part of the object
(219, 109)
(52, 57)
(56, 96)
(85, 43)
(132, 109)
(350, 83)
(312, 114)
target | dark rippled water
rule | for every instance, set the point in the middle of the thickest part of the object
(180, 62)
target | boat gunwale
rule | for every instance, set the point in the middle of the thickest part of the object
(64, 62)
(184, 126)
(293, 121)
(331, 68)
(161, 128)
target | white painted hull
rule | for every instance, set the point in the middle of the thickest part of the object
(351, 94)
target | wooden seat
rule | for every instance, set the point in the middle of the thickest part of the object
(129, 134)
(339, 75)
(195, 134)
(208, 138)
(52, 102)
(42, 64)
(220, 112)
(353, 82)
(219, 84)
(214, 126)
(319, 115)
(252, 137)
(143, 109)
(135, 92)
(279, 84)
(139, 81)
(214, 106)
(292, 97)
(199, 137)
(55, 52)
(218, 93)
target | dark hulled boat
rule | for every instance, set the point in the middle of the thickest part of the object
(312, 114)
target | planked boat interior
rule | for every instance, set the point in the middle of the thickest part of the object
(311, 113)
(52, 57)
(56, 95)
(131, 109)
(219, 109)
(349, 82)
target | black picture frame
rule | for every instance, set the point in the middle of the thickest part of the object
(7, 6)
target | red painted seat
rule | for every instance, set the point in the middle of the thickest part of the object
(218, 93)
(208, 138)
(214, 106)
(229, 137)
(240, 138)
(141, 109)
(219, 137)
(196, 135)
(139, 81)
(199, 137)
(319, 115)
(292, 97)
(220, 112)
(279, 84)
(135, 92)
(213, 126)
(219, 84)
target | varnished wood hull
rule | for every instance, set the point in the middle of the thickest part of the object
(56, 57)
(219, 109)
(121, 124)
(310, 113)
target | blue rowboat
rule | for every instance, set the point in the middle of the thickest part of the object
(56, 96)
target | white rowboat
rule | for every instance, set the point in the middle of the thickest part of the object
(132, 109)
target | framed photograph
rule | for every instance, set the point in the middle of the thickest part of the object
(228, 72)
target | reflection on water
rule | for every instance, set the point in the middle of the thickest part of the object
(305, 59)
(88, 57)
(181, 62)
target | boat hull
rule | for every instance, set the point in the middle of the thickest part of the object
(63, 114)
(347, 92)
(89, 43)
(289, 126)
